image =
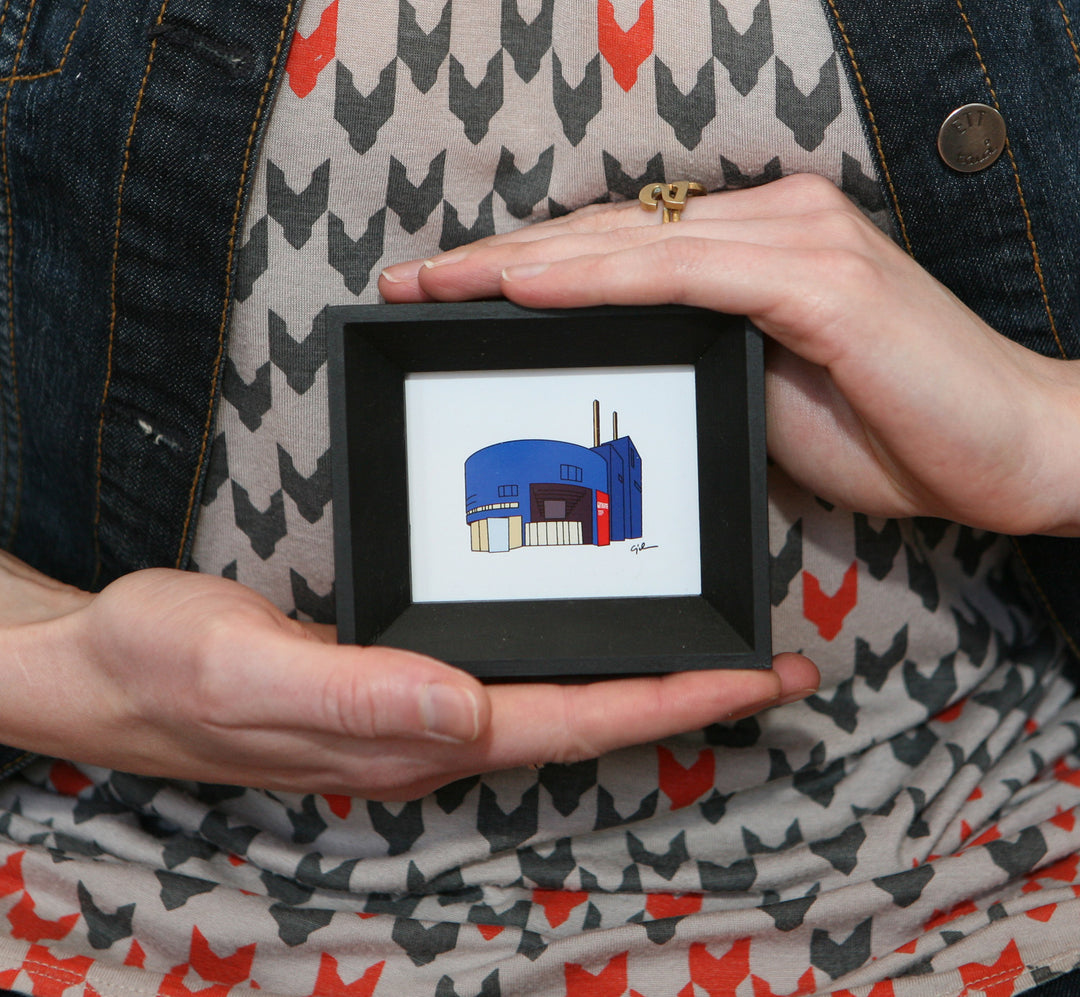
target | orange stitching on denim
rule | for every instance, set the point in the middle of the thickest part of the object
(112, 294)
(1069, 32)
(1035, 258)
(16, 763)
(1054, 618)
(245, 167)
(29, 79)
(11, 288)
(873, 125)
(14, 77)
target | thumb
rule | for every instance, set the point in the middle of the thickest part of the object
(363, 692)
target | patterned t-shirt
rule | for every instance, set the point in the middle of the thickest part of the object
(910, 830)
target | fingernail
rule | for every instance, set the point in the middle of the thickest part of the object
(440, 261)
(400, 273)
(524, 271)
(794, 697)
(450, 713)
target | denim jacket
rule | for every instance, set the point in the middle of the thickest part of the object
(128, 137)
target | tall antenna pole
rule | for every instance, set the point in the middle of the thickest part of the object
(595, 423)
(614, 425)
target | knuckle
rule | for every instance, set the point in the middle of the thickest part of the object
(848, 269)
(839, 225)
(349, 705)
(684, 257)
(815, 189)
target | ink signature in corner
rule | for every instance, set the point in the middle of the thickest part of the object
(638, 548)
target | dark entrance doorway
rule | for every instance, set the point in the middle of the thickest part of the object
(562, 503)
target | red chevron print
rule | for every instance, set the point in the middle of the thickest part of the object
(230, 969)
(1063, 773)
(136, 956)
(11, 877)
(998, 980)
(1042, 914)
(558, 904)
(828, 612)
(951, 713)
(53, 976)
(309, 56)
(938, 918)
(340, 806)
(26, 924)
(67, 779)
(661, 905)
(720, 977)
(1064, 871)
(330, 984)
(990, 834)
(625, 51)
(806, 985)
(684, 785)
(611, 981)
(489, 931)
(1065, 819)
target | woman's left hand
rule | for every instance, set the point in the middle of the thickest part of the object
(885, 393)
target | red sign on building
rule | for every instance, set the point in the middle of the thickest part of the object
(603, 519)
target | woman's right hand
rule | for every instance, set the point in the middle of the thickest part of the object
(175, 674)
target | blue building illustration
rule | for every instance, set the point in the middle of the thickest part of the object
(539, 493)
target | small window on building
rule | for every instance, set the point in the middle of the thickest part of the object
(570, 472)
(508, 491)
(554, 509)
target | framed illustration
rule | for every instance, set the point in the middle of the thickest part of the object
(542, 494)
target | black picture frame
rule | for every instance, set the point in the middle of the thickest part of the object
(373, 348)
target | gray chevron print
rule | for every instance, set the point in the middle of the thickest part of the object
(688, 114)
(263, 528)
(576, 105)
(455, 234)
(423, 52)
(526, 42)
(300, 361)
(251, 401)
(735, 179)
(808, 115)
(742, 54)
(415, 203)
(355, 259)
(312, 493)
(296, 212)
(251, 261)
(361, 116)
(522, 190)
(475, 105)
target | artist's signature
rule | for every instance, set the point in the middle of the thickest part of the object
(638, 548)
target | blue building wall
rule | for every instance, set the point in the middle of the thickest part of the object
(500, 475)
(624, 487)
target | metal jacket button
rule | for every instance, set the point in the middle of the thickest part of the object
(971, 138)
